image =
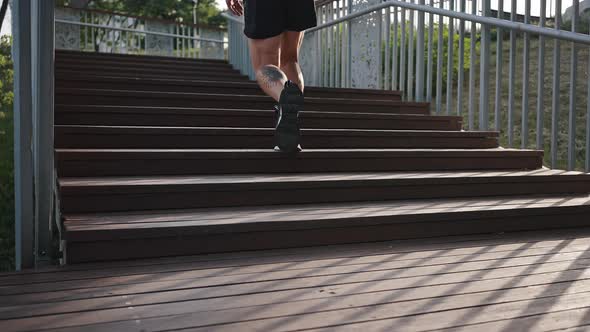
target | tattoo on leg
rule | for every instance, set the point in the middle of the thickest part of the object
(270, 76)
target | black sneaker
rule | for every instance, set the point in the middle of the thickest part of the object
(287, 134)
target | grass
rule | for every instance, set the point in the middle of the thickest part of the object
(581, 102)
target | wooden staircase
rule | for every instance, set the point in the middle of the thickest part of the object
(161, 156)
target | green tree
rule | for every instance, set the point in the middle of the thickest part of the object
(177, 10)
(6, 157)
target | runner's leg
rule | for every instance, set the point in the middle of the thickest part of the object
(265, 54)
(289, 56)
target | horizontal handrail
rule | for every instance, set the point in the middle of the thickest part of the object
(486, 20)
(155, 33)
(140, 17)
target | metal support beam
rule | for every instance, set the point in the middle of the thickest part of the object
(23, 136)
(33, 50)
(42, 57)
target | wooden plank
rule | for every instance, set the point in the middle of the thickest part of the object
(267, 272)
(401, 249)
(232, 77)
(363, 212)
(123, 194)
(152, 98)
(210, 86)
(383, 305)
(177, 290)
(212, 117)
(122, 162)
(202, 72)
(172, 240)
(410, 177)
(248, 138)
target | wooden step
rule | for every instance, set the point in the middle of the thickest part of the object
(98, 137)
(132, 58)
(159, 74)
(205, 71)
(207, 86)
(137, 162)
(139, 65)
(109, 236)
(217, 117)
(204, 100)
(86, 195)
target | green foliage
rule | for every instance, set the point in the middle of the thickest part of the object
(456, 57)
(6, 157)
(176, 10)
(445, 40)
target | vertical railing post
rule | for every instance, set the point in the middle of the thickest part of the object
(556, 87)
(439, 61)
(512, 77)
(571, 144)
(387, 62)
(484, 84)
(588, 124)
(541, 81)
(450, 59)
(23, 133)
(472, 58)
(430, 55)
(42, 72)
(499, 65)
(461, 67)
(420, 56)
(525, 78)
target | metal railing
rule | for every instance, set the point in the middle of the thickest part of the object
(452, 53)
(100, 31)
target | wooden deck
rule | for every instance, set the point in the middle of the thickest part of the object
(533, 281)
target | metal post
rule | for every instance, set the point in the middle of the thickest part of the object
(411, 54)
(338, 41)
(42, 96)
(450, 60)
(588, 127)
(525, 77)
(402, 67)
(430, 46)
(484, 106)
(472, 69)
(420, 56)
(541, 81)
(556, 87)
(461, 79)
(499, 65)
(387, 80)
(512, 77)
(23, 133)
(380, 84)
(349, 62)
(439, 62)
(395, 62)
(571, 146)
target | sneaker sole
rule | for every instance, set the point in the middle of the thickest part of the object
(287, 132)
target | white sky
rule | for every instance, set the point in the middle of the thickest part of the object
(6, 26)
(535, 8)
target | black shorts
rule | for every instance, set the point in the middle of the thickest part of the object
(270, 18)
